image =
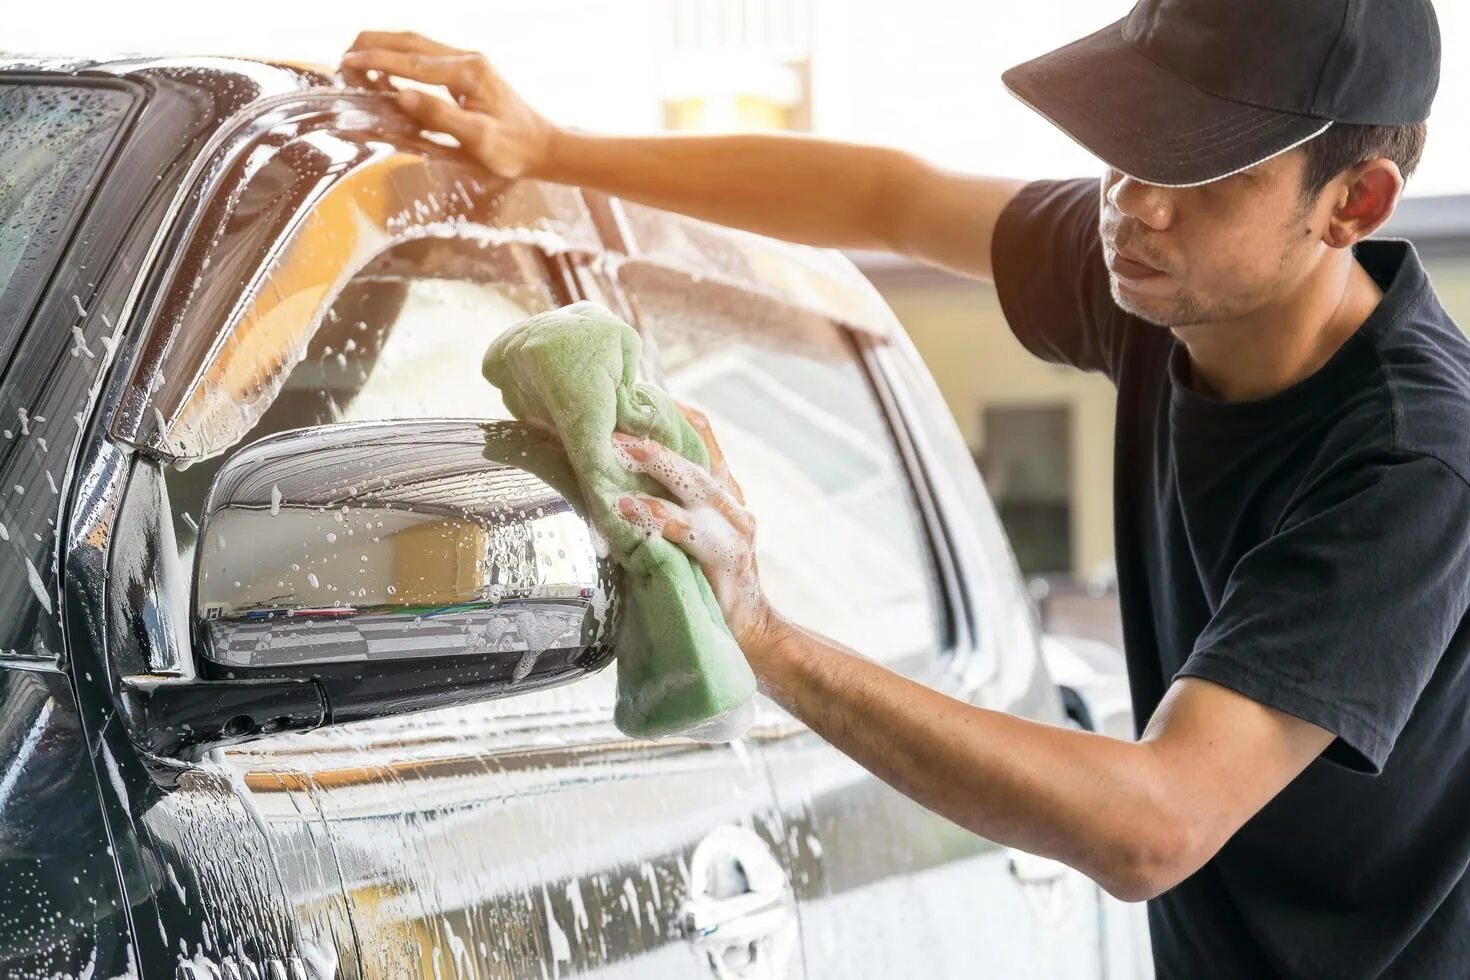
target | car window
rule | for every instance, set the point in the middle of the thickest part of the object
(54, 140)
(842, 545)
(402, 340)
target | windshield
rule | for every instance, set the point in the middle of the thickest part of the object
(54, 140)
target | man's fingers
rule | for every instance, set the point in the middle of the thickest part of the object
(687, 482)
(460, 73)
(401, 41)
(444, 117)
(717, 465)
(700, 423)
(653, 515)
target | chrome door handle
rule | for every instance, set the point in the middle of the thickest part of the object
(740, 916)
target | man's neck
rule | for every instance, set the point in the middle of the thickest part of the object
(1279, 345)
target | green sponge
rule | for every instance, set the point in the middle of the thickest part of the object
(680, 671)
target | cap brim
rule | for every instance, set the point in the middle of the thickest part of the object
(1147, 122)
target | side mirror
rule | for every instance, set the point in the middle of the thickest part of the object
(361, 570)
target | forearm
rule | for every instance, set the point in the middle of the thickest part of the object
(771, 184)
(1092, 802)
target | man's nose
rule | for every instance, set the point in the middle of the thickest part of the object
(1147, 203)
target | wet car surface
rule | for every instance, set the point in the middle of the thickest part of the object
(305, 666)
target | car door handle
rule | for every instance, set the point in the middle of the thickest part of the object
(1044, 883)
(740, 916)
(1032, 869)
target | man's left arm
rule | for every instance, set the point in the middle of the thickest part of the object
(1136, 817)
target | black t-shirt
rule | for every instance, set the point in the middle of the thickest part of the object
(1310, 550)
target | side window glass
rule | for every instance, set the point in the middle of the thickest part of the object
(843, 548)
(403, 339)
(54, 142)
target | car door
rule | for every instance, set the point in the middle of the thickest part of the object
(524, 837)
(855, 543)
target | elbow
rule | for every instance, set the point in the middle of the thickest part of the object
(1136, 885)
(1152, 857)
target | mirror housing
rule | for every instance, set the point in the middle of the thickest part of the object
(360, 570)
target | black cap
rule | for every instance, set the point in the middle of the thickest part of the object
(1183, 92)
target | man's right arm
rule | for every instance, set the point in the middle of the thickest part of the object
(797, 188)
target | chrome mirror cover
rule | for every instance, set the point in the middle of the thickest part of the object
(394, 566)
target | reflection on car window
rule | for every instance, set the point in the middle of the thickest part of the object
(842, 548)
(402, 340)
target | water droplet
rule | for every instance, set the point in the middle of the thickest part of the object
(81, 341)
(37, 586)
(311, 580)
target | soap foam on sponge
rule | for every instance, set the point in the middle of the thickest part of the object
(573, 370)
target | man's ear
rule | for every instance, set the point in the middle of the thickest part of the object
(1364, 198)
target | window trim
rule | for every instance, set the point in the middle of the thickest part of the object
(961, 638)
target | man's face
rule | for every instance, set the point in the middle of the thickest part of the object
(1212, 253)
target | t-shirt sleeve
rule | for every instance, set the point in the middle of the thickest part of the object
(1343, 615)
(1047, 262)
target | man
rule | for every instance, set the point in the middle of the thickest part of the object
(1293, 446)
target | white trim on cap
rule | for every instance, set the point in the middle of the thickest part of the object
(1268, 156)
(1198, 183)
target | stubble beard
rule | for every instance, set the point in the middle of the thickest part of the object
(1168, 312)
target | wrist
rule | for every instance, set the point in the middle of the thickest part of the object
(762, 636)
(774, 654)
(557, 147)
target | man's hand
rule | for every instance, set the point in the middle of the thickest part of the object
(709, 522)
(493, 123)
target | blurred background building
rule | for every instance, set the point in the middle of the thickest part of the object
(922, 75)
